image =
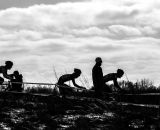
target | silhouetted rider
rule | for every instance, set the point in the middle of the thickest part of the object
(113, 77)
(64, 88)
(16, 82)
(70, 77)
(3, 70)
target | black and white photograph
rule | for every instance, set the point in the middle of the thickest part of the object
(79, 65)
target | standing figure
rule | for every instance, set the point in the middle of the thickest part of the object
(113, 77)
(3, 70)
(64, 88)
(97, 77)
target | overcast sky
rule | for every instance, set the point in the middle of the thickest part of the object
(39, 34)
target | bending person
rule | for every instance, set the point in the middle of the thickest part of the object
(3, 70)
(66, 78)
(113, 77)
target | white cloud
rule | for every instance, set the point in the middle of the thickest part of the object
(124, 33)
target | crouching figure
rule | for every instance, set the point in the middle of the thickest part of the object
(16, 82)
(113, 77)
(64, 88)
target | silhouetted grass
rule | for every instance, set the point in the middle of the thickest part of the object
(40, 89)
(142, 86)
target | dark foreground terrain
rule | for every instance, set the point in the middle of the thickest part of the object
(72, 113)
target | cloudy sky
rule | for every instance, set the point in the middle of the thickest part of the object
(38, 35)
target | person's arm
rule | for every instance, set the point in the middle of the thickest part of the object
(116, 84)
(76, 85)
(21, 78)
(5, 75)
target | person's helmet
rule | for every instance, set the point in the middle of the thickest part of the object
(16, 72)
(120, 72)
(9, 64)
(77, 71)
(98, 59)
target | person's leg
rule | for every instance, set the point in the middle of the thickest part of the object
(118, 87)
(97, 92)
(1, 80)
(68, 90)
(63, 89)
(107, 89)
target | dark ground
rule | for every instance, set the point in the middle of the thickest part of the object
(72, 113)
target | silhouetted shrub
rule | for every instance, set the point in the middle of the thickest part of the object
(142, 86)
